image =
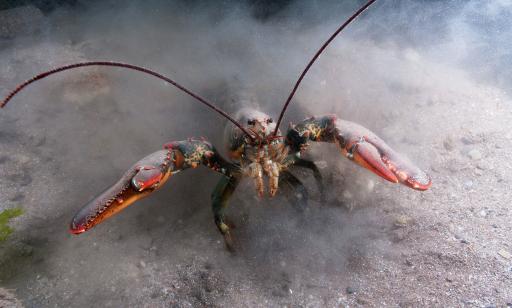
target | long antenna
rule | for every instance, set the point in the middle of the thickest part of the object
(346, 23)
(129, 66)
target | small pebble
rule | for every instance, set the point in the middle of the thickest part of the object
(505, 254)
(482, 213)
(142, 264)
(475, 154)
(350, 290)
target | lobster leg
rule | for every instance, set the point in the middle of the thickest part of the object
(295, 191)
(220, 197)
(316, 174)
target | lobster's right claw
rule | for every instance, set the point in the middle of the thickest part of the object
(142, 179)
(147, 176)
(369, 151)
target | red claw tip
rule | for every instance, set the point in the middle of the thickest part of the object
(76, 230)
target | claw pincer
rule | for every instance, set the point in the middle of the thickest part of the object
(367, 156)
(139, 181)
(369, 151)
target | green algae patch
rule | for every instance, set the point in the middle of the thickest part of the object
(5, 217)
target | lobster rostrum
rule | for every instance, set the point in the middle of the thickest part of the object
(256, 149)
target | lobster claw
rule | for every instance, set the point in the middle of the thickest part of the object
(369, 151)
(142, 179)
(147, 176)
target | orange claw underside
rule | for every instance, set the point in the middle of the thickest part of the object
(376, 156)
(367, 156)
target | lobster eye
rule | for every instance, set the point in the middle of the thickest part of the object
(270, 120)
(251, 122)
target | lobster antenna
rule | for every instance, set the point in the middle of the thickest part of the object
(346, 23)
(129, 66)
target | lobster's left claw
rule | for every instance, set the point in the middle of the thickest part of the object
(369, 151)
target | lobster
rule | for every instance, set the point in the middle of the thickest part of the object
(256, 149)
